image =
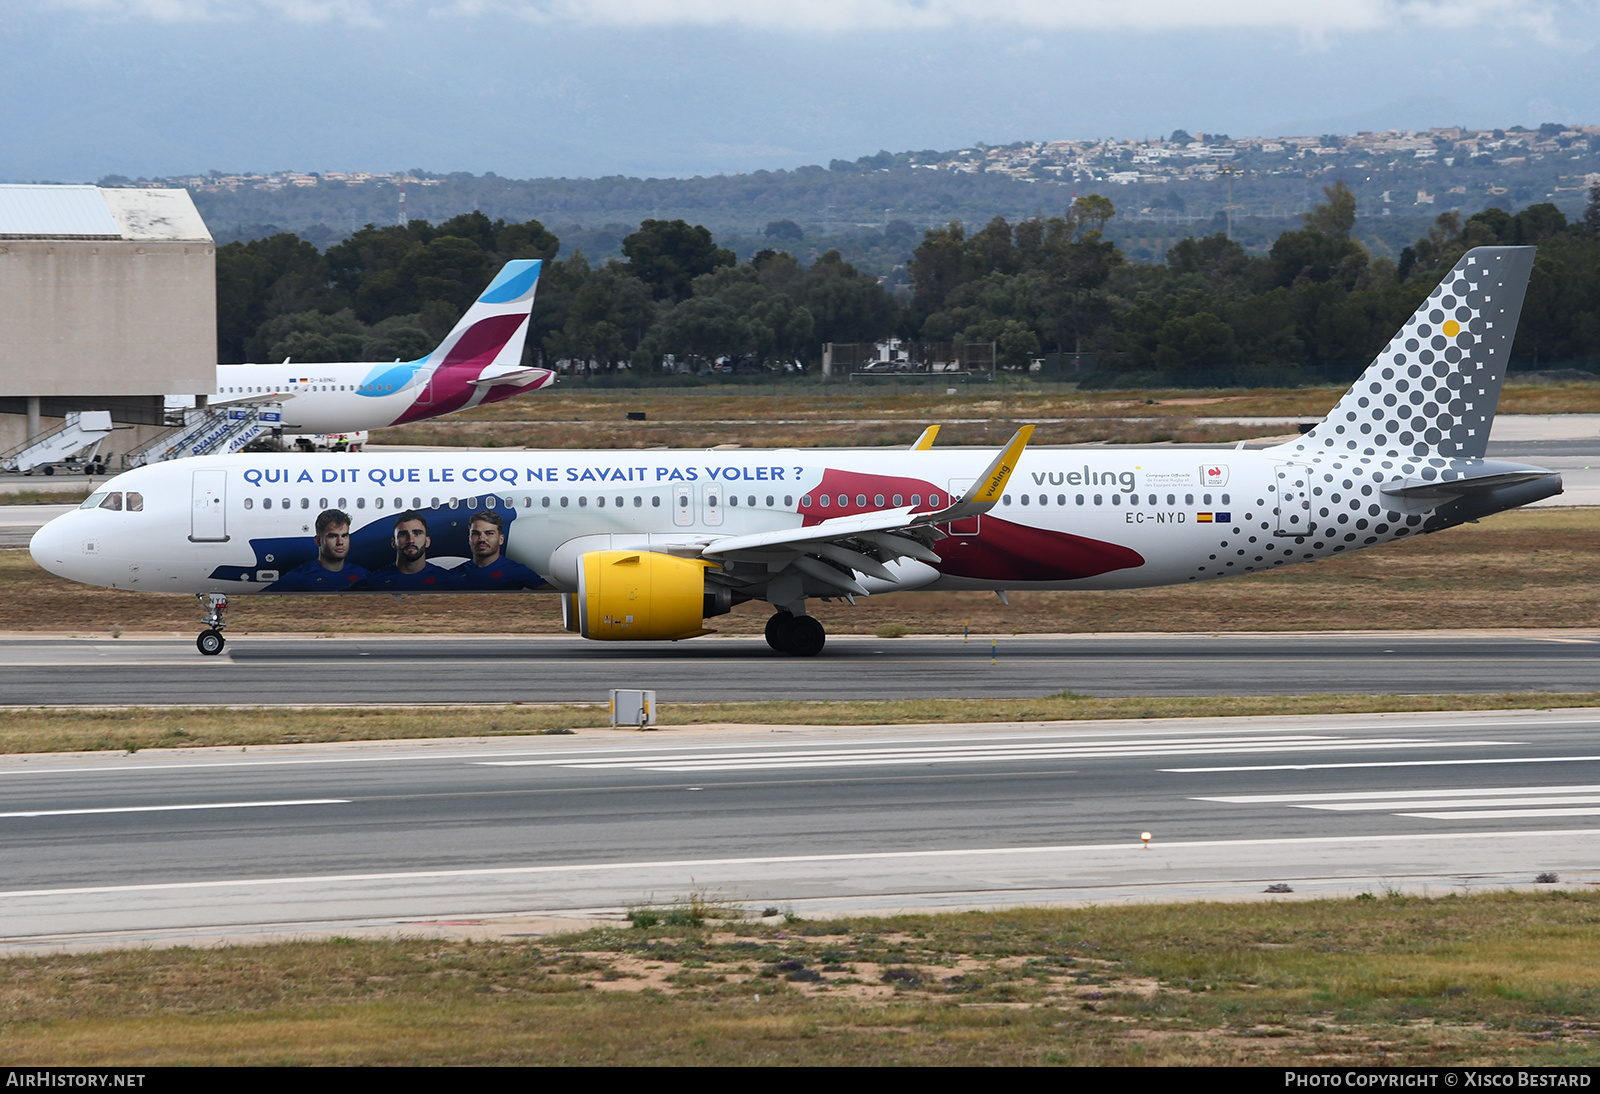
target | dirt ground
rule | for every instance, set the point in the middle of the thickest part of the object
(1532, 568)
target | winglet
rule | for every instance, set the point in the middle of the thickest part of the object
(986, 491)
(925, 442)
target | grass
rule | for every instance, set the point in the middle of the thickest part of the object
(1500, 978)
(813, 415)
(1526, 568)
(46, 497)
(131, 729)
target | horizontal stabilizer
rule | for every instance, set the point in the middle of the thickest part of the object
(514, 376)
(1437, 490)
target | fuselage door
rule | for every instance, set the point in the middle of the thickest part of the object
(712, 501)
(1293, 504)
(208, 518)
(972, 525)
(683, 506)
(425, 396)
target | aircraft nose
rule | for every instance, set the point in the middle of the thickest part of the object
(49, 545)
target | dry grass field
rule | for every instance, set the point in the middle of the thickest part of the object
(1531, 568)
(575, 416)
(1383, 979)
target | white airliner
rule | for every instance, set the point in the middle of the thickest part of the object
(480, 361)
(650, 544)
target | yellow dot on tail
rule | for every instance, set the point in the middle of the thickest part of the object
(1451, 328)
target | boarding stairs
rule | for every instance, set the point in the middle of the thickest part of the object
(82, 429)
(208, 431)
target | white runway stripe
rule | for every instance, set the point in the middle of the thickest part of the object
(172, 808)
(1504, 814)
(1473, 803)
(1375, 795)
(1392, 763)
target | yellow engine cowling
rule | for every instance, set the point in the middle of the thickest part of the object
(639, 596)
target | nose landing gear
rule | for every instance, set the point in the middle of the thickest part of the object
(796, 635)
(210, 641)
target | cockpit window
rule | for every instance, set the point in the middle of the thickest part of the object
(113, 501)
(93, 500)
(135, 502)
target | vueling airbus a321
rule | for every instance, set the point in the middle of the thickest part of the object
(480, 361)
(644, 545)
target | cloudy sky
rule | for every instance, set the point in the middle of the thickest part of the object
(682, 87)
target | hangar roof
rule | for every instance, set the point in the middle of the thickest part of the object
(89, 212)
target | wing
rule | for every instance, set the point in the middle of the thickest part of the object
(877, 545)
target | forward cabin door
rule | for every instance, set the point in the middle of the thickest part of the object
(208, 515)
(1293, 503)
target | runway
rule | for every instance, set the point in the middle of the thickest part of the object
(214, 843)
(456, 669)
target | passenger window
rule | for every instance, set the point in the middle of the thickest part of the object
(916, 499)
(113, 501)
(322, 503)
(877, 500)
(563, 503)
(600, 501)
(1005, 499)
(899, 500)
(249, 503)
(1116, 499)
(752, 500)
(341, 503)
(805, 501)
(770, 502)
(656, 501)
(1099, 499)
(583, 501)
(1080, 499)
(933, 499)
(361, 503)
(621, 501)
(545, 502)
(266, 503)
(286, 503)
(1206, 499)
(377, 503)
(825, 499)
(638, 502)
(1224, 499)
(683, 501)
(1061, 499)
(305, 503)
(1188, 499)
(416, 503)
(1172, 499)
(844, 500)
(472, 503)
(861, 501)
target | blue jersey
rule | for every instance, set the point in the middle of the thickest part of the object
(502, 573)
(429, 579)
(314, 577)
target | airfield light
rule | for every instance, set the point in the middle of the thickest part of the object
(1146, 837)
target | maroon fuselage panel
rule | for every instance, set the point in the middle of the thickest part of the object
(1003, 551)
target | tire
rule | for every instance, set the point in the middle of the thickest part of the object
(210, 642)
(804, 637)
(49, 469)
(775, 628)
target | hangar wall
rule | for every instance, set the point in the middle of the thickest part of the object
(107, 301)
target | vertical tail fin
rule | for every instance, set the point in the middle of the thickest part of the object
(493, 330)
(1434, 388)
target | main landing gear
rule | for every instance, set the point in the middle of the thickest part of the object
(210, 642)
(796, 635)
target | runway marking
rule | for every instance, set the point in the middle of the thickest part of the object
(1487, 814)
(1132, 847)
(1391, 763)
(1474, 803)
(976, 753)
(172, 808)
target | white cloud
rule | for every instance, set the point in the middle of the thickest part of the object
(1312, 18)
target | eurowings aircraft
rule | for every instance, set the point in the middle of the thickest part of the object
(643, 545)
(480, 361)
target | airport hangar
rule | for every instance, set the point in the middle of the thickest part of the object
(108, 301)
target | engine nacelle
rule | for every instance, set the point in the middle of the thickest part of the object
(641, 596)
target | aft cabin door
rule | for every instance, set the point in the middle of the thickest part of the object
(683, 506)
(1293, 506)
(208, 518)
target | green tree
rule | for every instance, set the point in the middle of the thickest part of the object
(667, 255)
